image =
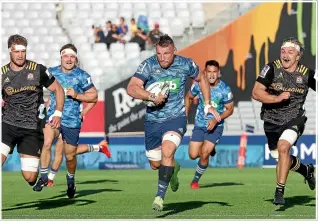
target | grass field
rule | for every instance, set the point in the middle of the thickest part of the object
(224, 193)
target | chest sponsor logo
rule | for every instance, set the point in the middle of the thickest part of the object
(30, 76)
(299, 80)
(11, 90)
(174, 84)
(280, 87)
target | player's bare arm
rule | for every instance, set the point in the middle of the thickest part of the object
(260, 94)
(135, 89)
(89, 96)
(58, 90)
(229, 108)
(188, 101)
(205, 89)
(88, 107)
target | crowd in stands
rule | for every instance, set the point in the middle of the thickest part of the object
(137, 32)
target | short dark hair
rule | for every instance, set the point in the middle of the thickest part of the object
(212, 63)
(165, 41)
(71, 46)
(17, 40)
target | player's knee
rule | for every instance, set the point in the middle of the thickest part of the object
(205, 155)
(70, 156)
(283, 147)
(154, 165)
(47, 145)
(193, 155)
(167, 153)
(30, 177)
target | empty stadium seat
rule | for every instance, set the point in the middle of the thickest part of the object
(165, 6)
(184, 15)
(197, 19)
(97, 48)
(177, 28)
(181, 6)
(115, 5)
(169, 14)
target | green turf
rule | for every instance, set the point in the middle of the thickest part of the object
(224, 193)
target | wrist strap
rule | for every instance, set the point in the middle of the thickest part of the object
(206, 108)
(57, 113)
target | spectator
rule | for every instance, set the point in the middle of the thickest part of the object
(154, 35)
(108, 27)
(133, 26)
(99, 34)
(112, 36)
(143, 23)
(122, 28)
(140, 38)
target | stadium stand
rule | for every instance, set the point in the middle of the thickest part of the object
(59, 23)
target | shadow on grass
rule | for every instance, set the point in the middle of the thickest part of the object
(97, 181)
(174, 208)
(220, 184)
(294, 201)
(61, 200)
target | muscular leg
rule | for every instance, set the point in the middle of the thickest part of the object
(70, 155)
(82, 148)
(102, 147)
(203, 163)
(166, 169)
(284, 161)
(58, 158)
(49, 136)
(195, 149)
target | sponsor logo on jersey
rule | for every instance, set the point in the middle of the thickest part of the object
(279, 87)
(30, 76)
(299, 80)
(174, 83)
(11, 90)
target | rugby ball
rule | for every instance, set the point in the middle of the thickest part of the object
(156, 88)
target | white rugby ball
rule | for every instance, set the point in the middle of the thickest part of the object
(156, 88)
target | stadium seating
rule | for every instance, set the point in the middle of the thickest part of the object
(39, 26)
(248, 113)
(48, 26)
